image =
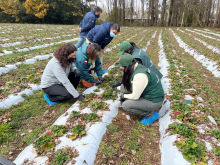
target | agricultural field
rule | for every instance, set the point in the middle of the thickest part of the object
(97, 130)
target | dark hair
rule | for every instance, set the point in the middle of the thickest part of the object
(126, 79)
(115, 26)
(133, 46)
(92, 50)
(63, 52)
(97, 8)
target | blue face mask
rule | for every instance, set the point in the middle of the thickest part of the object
(112, 34)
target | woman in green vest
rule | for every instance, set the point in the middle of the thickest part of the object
(142, 91)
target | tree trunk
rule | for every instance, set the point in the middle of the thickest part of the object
(170, 13)
(115, 9)
(218, 19)
(142, 15)
(123, 19)
(163, 13)
(208, 11)
(149, 13)
(152, 12)
(131, 11)
(212, 15)
(156, 13)
(183, 13)
(216, 15)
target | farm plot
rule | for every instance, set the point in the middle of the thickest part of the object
(73, 132)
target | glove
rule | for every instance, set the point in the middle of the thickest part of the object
(101, 79)
(122, 99)
(77, 73)
(96, 81)
(81, 97)
(118, 83)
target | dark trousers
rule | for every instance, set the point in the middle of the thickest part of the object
(58, 92)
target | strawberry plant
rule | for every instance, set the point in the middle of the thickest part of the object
(61, 157)
(215, 133)
(98, 105)
(45, 142)
(96, 90)
(192, 150)
(6, 132)
(92, 117)
(183, 129)
(75, 114)
(216, 150)
(58, 130)
(77, 131)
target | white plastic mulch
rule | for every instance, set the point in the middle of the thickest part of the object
(88, 145)
(214, 49)
(206, 62)
(208, 32)
(169, 152)
(35, 47)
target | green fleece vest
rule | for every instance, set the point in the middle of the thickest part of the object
(154, 90)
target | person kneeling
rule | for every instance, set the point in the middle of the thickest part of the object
(141, 89)
(61, 78)
(84, 57)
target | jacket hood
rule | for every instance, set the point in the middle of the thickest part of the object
(107, 26)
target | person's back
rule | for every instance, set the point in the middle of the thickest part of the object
(146, 61)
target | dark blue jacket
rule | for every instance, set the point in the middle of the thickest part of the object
(83, 63)
(87, 23)
(100, 35)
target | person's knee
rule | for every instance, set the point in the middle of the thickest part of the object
(68, 96)
(126, 106)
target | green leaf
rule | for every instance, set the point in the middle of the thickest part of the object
(216, 150)
(190, 158)
(180, 117)
(180, 144)
(47, 146)
(194, 145)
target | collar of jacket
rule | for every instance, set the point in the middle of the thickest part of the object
(92, 12)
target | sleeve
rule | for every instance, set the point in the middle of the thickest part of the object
(73, 67)
(104, 45)
(140, 82)
(98, 67)
(80, 25)
(59, 73)
(89, 24)
(85, 72)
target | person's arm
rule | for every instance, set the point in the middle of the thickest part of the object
(59, 73)
(89, 24)
(98, 67)
(104, 45)
(85, 73)
(140, 82)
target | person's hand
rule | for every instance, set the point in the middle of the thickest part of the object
(122, 99)
(81, 97)
(118, 83)
(103, 51)
(96, 81)
(77, 73)
(79, 29)
(101, 79)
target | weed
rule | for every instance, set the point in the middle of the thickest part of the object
(112, 128)
(60, 157)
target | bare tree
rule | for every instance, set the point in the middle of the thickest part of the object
(183, 13)
(216, 15)
(163, 12)
(123, 19)
(142, 15)
(208, 11)
(170, 13)
(131, 10)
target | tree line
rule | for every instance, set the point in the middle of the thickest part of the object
(43, 11)
(203, 13)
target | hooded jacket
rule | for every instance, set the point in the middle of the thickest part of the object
(83, 63)
(87, 23)
(100, 35)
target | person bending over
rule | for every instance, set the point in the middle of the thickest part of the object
(140, 56)
(61, 78)
(84, 57)
(141, 89)
(102, 35)
(87, 24)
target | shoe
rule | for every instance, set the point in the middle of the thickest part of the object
(149, 121)
(49, 102)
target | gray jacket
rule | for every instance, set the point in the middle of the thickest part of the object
(54, 73)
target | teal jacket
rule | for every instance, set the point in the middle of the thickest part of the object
(83, 63)
(141, 54)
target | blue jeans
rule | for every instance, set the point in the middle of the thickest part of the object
(80, 41)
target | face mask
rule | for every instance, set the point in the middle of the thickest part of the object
(112, 34)
(97, 16)
(72, 60)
